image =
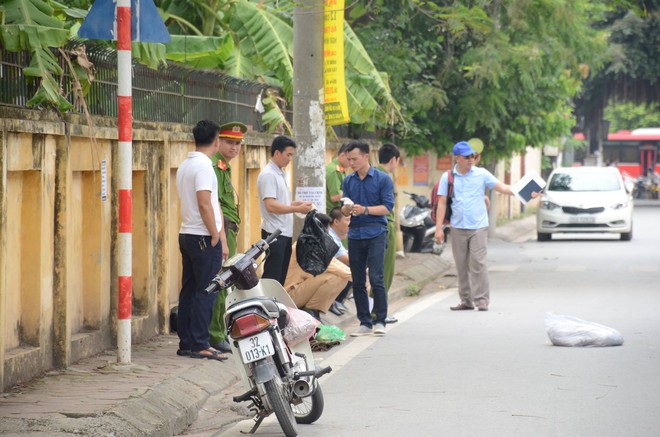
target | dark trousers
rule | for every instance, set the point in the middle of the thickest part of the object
(276, 265)
(344, 293)
(200, 263)
(363, 254)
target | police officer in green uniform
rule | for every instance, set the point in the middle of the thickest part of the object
(335, 172)
(231, 137)
(388, 158)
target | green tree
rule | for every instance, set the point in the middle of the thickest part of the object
(257, 43)
(505, 72)
(629, 116)
(247, 39)
(35, 26)
(631, 73)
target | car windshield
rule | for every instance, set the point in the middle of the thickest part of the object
(584, 182)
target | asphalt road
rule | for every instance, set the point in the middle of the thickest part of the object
(495, 373)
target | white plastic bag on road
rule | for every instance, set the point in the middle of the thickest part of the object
(571, 331)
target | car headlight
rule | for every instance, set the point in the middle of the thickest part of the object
(546, 204)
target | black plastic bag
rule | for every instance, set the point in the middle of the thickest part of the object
(315, 247)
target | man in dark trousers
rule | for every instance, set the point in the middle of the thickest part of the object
(388, 160)
(231, 138)
(201, 241)
(372, 194)
(277, 208)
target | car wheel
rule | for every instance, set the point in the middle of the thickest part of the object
(541, 236)
(626, 236)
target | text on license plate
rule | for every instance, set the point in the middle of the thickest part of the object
(583, 220)
(256, 347)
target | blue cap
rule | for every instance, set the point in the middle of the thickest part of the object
(463, 149)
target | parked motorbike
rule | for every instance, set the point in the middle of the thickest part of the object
(279, 378)
(642, 188)
(417, 226)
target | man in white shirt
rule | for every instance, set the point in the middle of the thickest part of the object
(202, 243)
(277, 208)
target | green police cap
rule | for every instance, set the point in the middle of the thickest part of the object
(233, 130)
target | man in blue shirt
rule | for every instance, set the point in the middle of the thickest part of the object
(469, 226)
(372, 194)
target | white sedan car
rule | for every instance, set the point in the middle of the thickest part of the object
(585, 199)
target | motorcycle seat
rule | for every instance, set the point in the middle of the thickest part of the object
(267, 303)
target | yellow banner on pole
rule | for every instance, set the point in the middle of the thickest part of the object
(336, 105)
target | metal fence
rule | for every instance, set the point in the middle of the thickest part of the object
(175, 94)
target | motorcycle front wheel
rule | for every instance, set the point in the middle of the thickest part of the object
(282, 408)
(310, 408)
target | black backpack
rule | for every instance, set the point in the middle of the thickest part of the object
(315, 247)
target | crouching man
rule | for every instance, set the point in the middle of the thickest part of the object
(315, 294)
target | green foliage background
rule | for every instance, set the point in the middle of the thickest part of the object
(423, 73)
(506, 72)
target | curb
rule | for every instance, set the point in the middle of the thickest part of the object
(170, 406)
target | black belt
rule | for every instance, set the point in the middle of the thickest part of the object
(231, 225)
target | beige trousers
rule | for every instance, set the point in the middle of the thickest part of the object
(469, 249)
(318, 292)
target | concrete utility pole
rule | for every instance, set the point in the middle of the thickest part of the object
(308, 116)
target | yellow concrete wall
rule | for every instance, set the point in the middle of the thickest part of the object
(13, 281)
(58, 284)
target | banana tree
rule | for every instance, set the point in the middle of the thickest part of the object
(250, 40)
(261, 48)
(30, 25)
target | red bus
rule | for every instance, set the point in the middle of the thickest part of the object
(633, 152)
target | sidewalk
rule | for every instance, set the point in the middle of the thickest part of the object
(160, 393)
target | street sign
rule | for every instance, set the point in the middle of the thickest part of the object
(146, 23)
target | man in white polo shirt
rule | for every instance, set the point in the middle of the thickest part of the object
(277, 208)
(202, 243)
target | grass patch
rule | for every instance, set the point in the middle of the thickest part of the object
(413, 290)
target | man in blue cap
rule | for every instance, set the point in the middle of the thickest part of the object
(469, 225)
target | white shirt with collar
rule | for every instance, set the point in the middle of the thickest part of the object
(272, 184)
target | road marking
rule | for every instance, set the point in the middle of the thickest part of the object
(571, 268)
(503, 268)
(343, 356)
(357, 345)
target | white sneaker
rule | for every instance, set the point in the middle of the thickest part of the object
(379, 329)
(362, 330)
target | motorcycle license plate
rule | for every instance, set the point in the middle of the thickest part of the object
(256, 347)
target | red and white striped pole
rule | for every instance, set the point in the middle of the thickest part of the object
(125, 180)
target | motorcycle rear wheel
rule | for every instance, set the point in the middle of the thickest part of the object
(311, 407)
(282, 409)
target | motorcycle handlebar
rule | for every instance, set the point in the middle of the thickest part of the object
(219, 281)
(226, 278)
(273, 236)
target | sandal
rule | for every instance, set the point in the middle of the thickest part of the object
(209, 353)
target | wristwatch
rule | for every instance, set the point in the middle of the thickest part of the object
(366, 210)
